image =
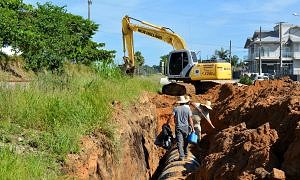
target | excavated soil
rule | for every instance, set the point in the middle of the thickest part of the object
(257, 131)
(135, 157)
(257, 136)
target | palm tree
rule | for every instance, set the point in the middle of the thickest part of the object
(163, 63)
(222, 54)
(234, 60)
(139, 58)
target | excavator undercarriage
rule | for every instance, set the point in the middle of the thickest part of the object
(179, 89)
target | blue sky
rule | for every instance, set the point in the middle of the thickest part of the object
(206, 25)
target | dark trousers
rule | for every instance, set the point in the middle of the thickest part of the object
(182, 142)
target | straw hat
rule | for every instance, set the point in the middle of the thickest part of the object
(182, 100)
(187, 98)
(207, 105)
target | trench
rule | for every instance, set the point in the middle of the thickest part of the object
(258, 130)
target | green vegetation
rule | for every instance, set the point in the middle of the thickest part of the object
(70, 93)
(26, 166)
(225, 55)
(245, 79)
(139, 58)
(48, 36)
(47, 117)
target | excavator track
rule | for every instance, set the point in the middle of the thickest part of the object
(202, 87)
(174, 89)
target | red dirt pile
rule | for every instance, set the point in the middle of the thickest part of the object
(258, 129)
(240, 153)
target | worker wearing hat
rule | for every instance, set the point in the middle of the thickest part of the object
(182, 115)
(201, 111)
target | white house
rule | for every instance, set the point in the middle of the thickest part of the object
(287, 63)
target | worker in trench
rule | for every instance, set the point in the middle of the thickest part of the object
(200, 111)
(182, 116)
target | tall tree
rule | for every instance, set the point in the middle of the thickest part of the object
(139, 58)
(163, 60)
(234, 60)
(222, 54)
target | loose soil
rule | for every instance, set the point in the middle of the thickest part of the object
(257, 135)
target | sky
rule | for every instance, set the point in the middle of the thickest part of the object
(206, 25)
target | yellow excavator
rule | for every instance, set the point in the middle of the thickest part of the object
(182, 65)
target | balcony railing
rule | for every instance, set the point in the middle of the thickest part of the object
(273, 55)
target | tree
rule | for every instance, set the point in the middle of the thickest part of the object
(48, 36)
(156, 69)
(163, 60)
(139, 58)
(234, 60)
(222, 54)
(213, 57)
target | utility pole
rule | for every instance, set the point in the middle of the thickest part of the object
(280, 45)
(89, 9)
(230, 51)
(259, 51)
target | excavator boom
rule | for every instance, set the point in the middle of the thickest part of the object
(157, 32)
(182, 64)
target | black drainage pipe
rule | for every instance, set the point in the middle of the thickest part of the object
(174, 169)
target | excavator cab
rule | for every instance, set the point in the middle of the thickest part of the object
(180, 63)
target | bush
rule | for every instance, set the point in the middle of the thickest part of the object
(245, 79)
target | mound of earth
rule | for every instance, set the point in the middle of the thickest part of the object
(257, 130)
(240, 153)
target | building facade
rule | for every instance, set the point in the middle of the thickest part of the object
(275, 59)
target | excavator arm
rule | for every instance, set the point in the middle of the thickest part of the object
(157, 32)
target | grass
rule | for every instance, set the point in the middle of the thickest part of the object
(53, 112)
(25, 166)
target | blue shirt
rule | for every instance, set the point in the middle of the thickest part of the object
(182, 114)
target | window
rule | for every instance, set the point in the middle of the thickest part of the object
(267, 52)
(286, 52)
(194, 56)
(178, 61)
